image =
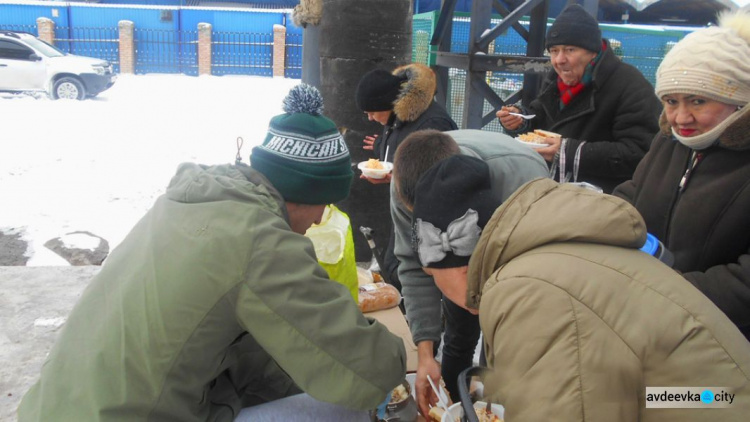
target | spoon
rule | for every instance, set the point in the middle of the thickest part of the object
(523, 116)
(442, 399)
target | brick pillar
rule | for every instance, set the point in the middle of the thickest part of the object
(127, 46)
(46, 29)
(204, 49)
(279, 49)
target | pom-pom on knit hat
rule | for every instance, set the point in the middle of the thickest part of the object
(453, 203)
(304, 156)
(575, 26)
(378, 90)
(713, 62)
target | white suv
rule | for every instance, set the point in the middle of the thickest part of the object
(28, 64)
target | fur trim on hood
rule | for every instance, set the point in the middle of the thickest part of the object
(307, 12)
(736, 136)
(416, 93)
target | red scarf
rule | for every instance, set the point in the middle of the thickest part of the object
(568, 92)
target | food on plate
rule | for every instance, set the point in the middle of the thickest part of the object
(537, 136)
(436, 414)
(376, 277)
(377, 296)
(484, 416)
(399, 394)
(374, 163)
(374, 168)
(547, 134)
(480, 408)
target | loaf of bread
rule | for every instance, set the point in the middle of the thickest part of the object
(377, 296)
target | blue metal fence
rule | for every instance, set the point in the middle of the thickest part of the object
(241, 53)
(102, 43)
(166, 36)
(31, 29)
(293, 56)
(166, 51)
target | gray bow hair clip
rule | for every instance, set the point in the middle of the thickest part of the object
(460, 237)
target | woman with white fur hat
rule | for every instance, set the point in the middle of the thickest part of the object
(693, 186)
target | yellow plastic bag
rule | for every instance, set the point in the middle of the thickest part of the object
(334, 247)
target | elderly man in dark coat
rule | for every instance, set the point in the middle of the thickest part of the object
(605, 110)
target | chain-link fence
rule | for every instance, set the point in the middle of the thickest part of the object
(639, 46)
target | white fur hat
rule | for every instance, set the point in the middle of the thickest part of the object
(713, 62)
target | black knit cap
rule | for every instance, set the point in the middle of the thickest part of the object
(453, 202)
(378, 90)
(575, 26)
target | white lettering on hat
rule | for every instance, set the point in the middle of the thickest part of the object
(300, 149)
(286, 146)
(273, 143)
(306, 149)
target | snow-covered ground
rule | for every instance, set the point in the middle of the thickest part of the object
(98, 165)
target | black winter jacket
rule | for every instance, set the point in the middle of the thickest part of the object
(706, 224)
(617, 115)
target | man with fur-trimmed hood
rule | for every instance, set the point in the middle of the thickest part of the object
(403, 102)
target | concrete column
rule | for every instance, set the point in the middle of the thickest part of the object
(127, 46)
(356, 37)
(311, 55)
(46, 29)
(204, 49)
(279, 49)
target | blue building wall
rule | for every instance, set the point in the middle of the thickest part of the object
(108, 17)
(26, 14)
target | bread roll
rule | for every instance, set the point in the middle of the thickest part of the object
(547, 134)
(436, 414)
(377, 296)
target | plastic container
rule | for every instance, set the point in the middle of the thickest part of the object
(405, 410)
(375, 173)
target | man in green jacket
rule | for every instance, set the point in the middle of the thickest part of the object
(215, 301)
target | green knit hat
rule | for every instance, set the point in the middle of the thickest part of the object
(304, 156)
